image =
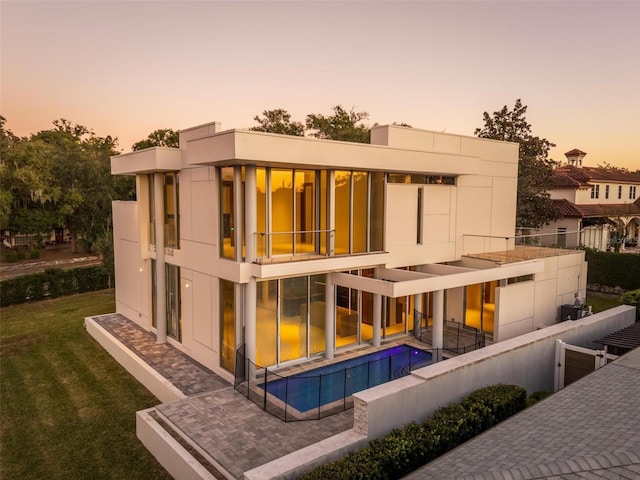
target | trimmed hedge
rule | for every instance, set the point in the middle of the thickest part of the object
(613, 269)
(52, 283)
(406, 449)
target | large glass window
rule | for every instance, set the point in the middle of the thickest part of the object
(342, 212)
(376, 212)
(266, 323)
(171, 211)
(227, 325)
(480, 306)
(293, 319)
(227, 227)
(305, 211)
(347, 323)
(174, 320)
(290, 319)
(359, 211)
(281, 211)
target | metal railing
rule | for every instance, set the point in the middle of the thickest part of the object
(523, 246)
(457, 337)
(292, 246)
(315, 395)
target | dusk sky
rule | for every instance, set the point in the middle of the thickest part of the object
(127, 68)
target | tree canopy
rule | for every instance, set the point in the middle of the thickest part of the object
(60, 177)
(278, 121)
(342, 125)
(163, 137)
(534, 207)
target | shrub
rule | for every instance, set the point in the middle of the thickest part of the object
(52, 283)
(613, 269)
(20, 255)
(632, 298)
(35, 253)
(11, 257)
(408, 448)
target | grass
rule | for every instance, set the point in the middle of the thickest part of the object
(600, 304)
(67, 407)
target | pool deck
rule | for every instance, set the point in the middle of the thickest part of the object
(231, 433)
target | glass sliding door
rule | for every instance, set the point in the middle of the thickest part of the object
(346, 317)
(293, 318)
(266, 323)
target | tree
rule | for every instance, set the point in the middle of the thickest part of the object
(343, 125)
(278, 121)
(163, 137)
(534, 206)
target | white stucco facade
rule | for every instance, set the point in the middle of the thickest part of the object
(297, 247)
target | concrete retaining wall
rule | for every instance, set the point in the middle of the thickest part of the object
(527, 360)
(162, 388)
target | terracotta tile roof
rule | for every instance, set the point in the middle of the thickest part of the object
(569, 209)
(562, 180)
(573, 152)
(566, 208)
(596, 174)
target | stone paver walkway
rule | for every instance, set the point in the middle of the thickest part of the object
(232, 430)
(591, 429)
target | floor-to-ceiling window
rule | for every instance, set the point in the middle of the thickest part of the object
(227, 217)
(342, 212)
(174, 321)
(227, 325)
(171, 211)
(480, 305)
(267, 323)
(282, 211)
(290, 319)
(347, 320)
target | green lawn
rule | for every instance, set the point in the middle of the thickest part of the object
(602, 303)
(67, 408)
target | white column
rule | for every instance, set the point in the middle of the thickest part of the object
(438, 323)
(329, 322)
(377, 318)
(161, 287)
(417, 315)
(250, 289)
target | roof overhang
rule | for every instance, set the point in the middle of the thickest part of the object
(149, 160)
(240, 147)
(396, 283)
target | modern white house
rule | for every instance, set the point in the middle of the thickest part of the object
(602, 203)
(297, 248)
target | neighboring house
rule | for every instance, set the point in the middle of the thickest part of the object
(602, 203)
(296, 247)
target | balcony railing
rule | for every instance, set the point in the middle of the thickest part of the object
(524, 246)
(274, 247)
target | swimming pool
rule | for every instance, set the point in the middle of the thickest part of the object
(324, 385)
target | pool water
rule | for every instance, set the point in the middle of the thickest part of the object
(324, 385)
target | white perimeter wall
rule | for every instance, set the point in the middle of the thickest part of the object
(132, 272)
(528, 361)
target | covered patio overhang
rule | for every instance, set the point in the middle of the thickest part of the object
(394, 282)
